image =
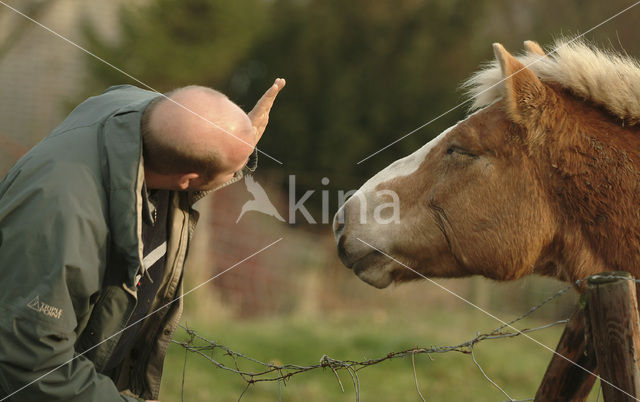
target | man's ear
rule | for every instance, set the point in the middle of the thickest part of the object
(184, 180)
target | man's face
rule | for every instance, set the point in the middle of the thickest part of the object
(220, 178)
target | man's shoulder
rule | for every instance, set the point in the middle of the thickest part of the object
(94, 110)
(130, 92)
(44, 175)
(118, 87)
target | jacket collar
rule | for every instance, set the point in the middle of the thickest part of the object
(123, 177)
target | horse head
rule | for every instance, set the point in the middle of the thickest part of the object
(542, 178)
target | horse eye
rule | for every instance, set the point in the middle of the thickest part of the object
(460, 151)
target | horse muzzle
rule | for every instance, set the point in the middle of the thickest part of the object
(367, 263)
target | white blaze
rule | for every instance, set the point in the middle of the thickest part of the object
(405, 166)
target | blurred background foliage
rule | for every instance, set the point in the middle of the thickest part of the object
(360, 74)
(356, 70)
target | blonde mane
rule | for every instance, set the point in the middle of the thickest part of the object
(601, 76)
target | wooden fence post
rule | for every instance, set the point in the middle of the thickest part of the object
(564, 381)
(615, 330)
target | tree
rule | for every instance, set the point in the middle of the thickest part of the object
(172, 43)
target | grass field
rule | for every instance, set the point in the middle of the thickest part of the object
(317, 308)
(516, 364)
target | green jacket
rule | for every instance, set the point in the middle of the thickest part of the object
(70, 251)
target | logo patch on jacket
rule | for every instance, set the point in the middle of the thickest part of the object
(44, 308)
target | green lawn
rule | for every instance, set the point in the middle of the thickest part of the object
(515, 364)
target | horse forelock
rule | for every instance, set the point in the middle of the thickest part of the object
(600, 76)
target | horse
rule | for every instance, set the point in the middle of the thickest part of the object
(541, 177)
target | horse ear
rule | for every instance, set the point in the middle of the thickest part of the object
(533, 48)
(524, 93)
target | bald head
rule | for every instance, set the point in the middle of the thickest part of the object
(197, 130)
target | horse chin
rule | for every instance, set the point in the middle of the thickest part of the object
(379, 276)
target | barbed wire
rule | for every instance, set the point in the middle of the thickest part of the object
(283, 372)
(274, 371)
(621, 275)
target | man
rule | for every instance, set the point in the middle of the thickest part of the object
(95, 224)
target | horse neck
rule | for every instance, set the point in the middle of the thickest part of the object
(593, 184)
